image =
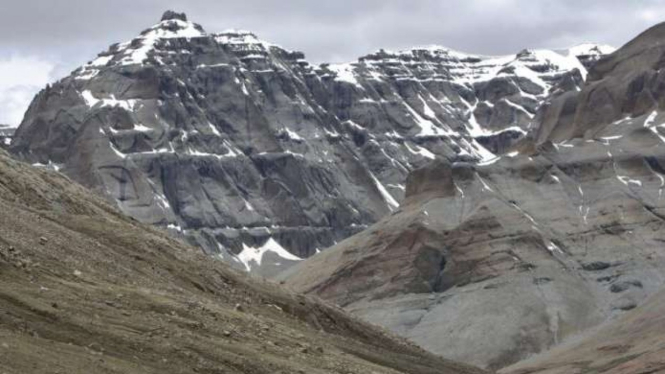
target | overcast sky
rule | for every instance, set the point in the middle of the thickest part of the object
(43, 40)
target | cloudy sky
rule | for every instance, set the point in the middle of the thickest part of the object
(43, 40)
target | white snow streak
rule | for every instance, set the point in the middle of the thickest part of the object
(390, 200)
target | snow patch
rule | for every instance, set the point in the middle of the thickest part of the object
(253, 257)
(173, 28)
(292, 134)
(485, 185)
(427, 127)
(553, 247)
(92, 101)
(590, 49)
(420, 151)
(177, 228)
(345, 73)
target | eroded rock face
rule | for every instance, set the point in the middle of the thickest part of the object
(233, 142)
(539, 245)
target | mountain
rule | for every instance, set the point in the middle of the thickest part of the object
(513, 256)
(259, 157)
(85, 289)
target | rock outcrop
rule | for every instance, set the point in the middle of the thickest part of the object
(259, 157)
(513, 256)
(627, 85)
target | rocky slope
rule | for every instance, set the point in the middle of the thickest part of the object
(84, 289)
(515, 255)
(632, 344)
(259, 157)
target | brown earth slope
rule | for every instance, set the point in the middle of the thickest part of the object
(84, 289)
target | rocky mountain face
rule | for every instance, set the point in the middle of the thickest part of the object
(513, 256)
(263, 159)
(85, 289)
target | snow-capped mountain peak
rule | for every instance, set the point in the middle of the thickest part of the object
(136, 51)
(589, 53)
(200, 132)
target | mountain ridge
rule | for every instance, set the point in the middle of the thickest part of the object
(232, 142)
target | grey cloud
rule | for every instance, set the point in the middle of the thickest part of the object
(329, 29)
(70, 32)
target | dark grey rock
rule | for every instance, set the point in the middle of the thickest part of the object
(622, 286)
(596, 266)
(169, 15)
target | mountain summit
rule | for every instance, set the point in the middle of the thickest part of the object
(171, 15)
